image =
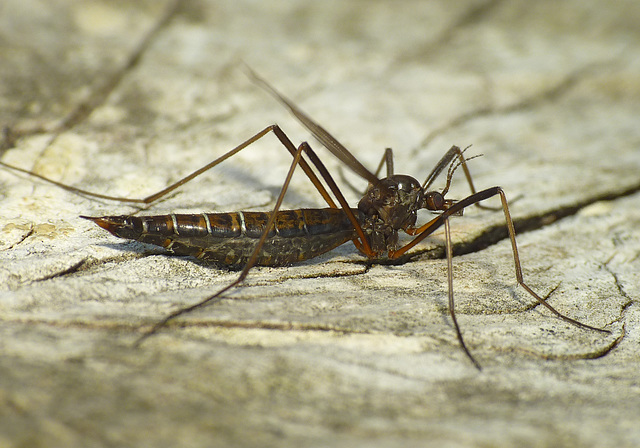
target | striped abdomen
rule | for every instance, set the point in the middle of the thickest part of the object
(230, 238)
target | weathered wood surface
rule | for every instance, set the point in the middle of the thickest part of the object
(124, 98)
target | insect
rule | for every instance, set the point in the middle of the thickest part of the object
(283, 237)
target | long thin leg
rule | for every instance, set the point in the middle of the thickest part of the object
(445, 161)
(452, 312)
(286, 142)
(428, 228)
(245, 271)
(361, 242)
(387, 159)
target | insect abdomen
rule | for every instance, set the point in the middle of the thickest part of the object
(230, 238)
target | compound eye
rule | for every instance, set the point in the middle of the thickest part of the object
(434, 201)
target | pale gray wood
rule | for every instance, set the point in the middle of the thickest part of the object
(332, 352)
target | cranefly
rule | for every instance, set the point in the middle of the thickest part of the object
(282, 237)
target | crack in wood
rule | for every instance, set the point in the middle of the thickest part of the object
(494, 234)
(472, 16)
(98, 94)
(64, 272)
(547, 95)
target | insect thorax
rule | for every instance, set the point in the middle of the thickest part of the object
(387, 207)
